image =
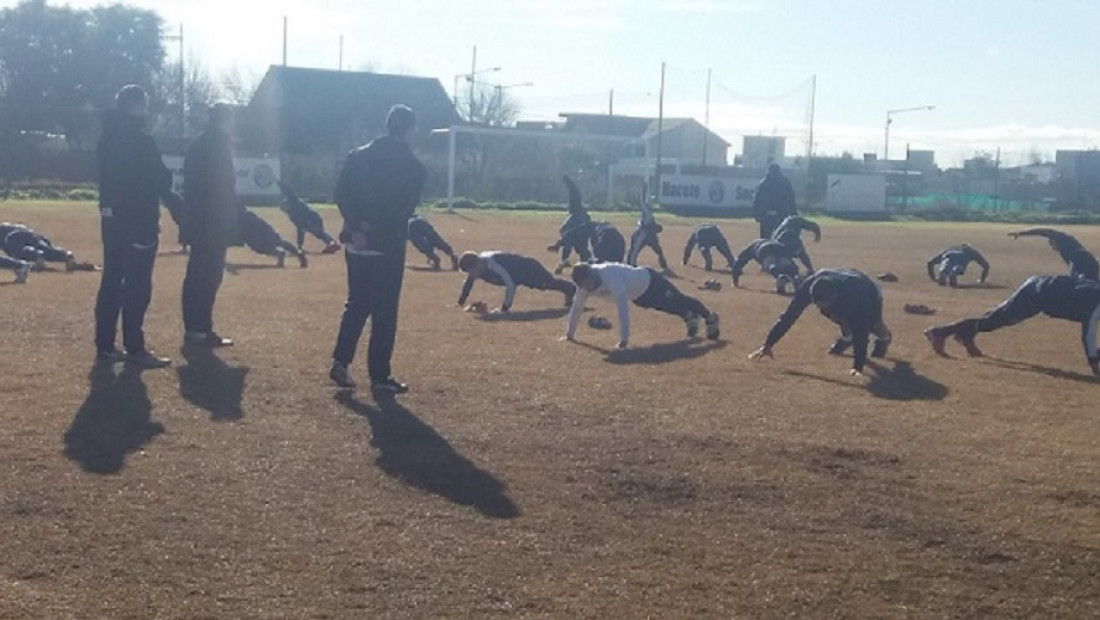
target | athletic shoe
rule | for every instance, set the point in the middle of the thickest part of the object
(303, 262)
(880, 348)
(70, 263)
(331, 247)
(692, 326)
(937, 337)
(280, 259)
(968, 343)
(712, 327)
(21, 273)
(110, 356)
(840, 346)
(781, 284)
(147, 360)
(388, 386)
(340, 376)
(207, 338)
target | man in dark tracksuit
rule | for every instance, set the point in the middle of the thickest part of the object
(952, 263)
(1060, 297)
(209, 224)
(262, 238)
(608, 244)
(707, 236)
(773, 201)
(427, 240)
(575, 232)
(509, 270)
(1081, 262)
(789, 233)
(306, 219)
(378, 189)
(776, 258)
(646, 234)
(132, 179)
(25, 244)
(846, 297)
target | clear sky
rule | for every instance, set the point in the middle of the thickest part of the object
(1014, 75)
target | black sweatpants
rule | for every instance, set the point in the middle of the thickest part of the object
(428, 242)
(532, 274)
(1083, 264)
(205, 268)
(29, 246)
(125, 287)
(663, 295)
(1021, 305)
(314, 225)
(642, 238)
(10, 263)
(374, 290)
(722, 247)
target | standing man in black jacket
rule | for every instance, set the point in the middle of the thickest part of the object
(846, 297)
(209, 224)
(132, 178)
(378, 190)
(773, 201)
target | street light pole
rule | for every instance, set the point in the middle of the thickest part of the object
(469, 77)
(889, 113)
(182, 87)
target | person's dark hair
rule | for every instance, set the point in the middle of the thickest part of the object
(773, 168)
(400, 121)
(823, 290)
(468, 261)
(130, 97)
(581, 272)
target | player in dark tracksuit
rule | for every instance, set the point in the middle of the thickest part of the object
(427, 240)
(846, 297)
(646, 235)
(774, 200)
(575, 232)
(1081, 262)
(305, 219)
(25, 244)
(262, 238)
(789, 233)
(608, 244)
(952, 262)
(509, 270)
(1060, 297)
(707, 236)
(776, 258)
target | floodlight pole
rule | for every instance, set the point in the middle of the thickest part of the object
(889, 113)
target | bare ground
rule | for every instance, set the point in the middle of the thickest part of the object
(526, 477)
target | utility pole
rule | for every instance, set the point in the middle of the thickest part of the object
(660, 130)
(284, 38)
(706, 121)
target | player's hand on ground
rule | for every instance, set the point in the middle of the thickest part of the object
(499, 311)
(761, 353)
(621, 345)
(1014, 235)
(855, 373)
(1095, 366)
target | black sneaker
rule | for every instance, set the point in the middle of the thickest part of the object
(147, 360)
(840, 346)
(340, 375)
(880, 348)
(109, 356)
(389, 386)
(209, 339)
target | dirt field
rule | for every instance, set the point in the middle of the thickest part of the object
(527, 477)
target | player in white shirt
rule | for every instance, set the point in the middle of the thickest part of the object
(643, 286)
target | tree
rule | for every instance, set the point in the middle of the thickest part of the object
(200, 91)
(488, 105)
(59, 66)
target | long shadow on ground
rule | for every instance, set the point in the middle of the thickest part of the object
(235, 269)
(113, 421)
(416, 454)
(1057, 373)
(526, 315)
(658, 353)
(210, 384)
(899, 382)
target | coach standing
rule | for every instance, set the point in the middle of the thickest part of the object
(773, 201)
(132, 177)
(378, 190)
(209, 224)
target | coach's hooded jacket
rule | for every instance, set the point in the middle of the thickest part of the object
(132, 178)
